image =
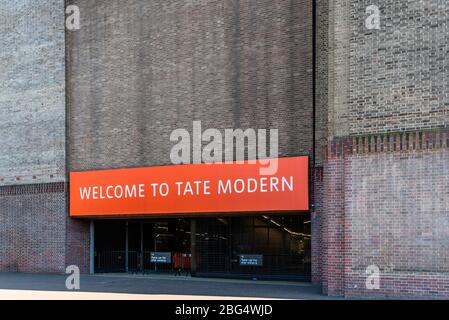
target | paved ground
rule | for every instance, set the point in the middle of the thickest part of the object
(119, 286)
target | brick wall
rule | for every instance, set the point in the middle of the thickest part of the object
(77, 244)
(321, 78)
(36, 233)
(316, 220)
(333, 224)
(386, 195)
(399, 73)
(339, 68)
(399, 212)
(388, 80)
(140, 69)
(32, 92)
(34, 222)
(32, 228)
(387, 205)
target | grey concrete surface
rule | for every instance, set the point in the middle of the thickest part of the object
(158, 286)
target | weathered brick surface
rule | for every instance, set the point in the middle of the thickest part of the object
(386, 204)
(77, 244)
(333, 218)
(398, 77)
(36, 233)
(316, 219)
(32, 228)
(386, 197)
(140, 69)
(398, 208)
(339, 68)
(33, 208)
(407, 284)
(32, 92)
(392, 79)
(322, 78)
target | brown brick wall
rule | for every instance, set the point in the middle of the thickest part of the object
(34, 224)
(32, 237)
(322, 78)
(140, 69)
(398, 210)
(398, 77)
(386, 204)
(407, 284)
(385, 195)
(333, 218)
(339, 68)
(387, 80)
(316, 218)
(77, 244)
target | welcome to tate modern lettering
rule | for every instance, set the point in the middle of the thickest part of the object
(194, 188)
(186, 188)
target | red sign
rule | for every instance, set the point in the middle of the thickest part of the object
(190, 189)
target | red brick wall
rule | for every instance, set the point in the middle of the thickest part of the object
(333, 224)
(386, 204)
(36, 234)
(77, 245)
(396, 284)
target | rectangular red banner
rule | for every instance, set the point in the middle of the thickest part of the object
(191, 189)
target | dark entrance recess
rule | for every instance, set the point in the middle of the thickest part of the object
(283, 242)
(262, 247)
(140, 246)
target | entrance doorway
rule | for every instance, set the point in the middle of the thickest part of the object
(142, 246)
(263, 247)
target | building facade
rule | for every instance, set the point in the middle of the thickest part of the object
(368, 107)
(386, 174)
